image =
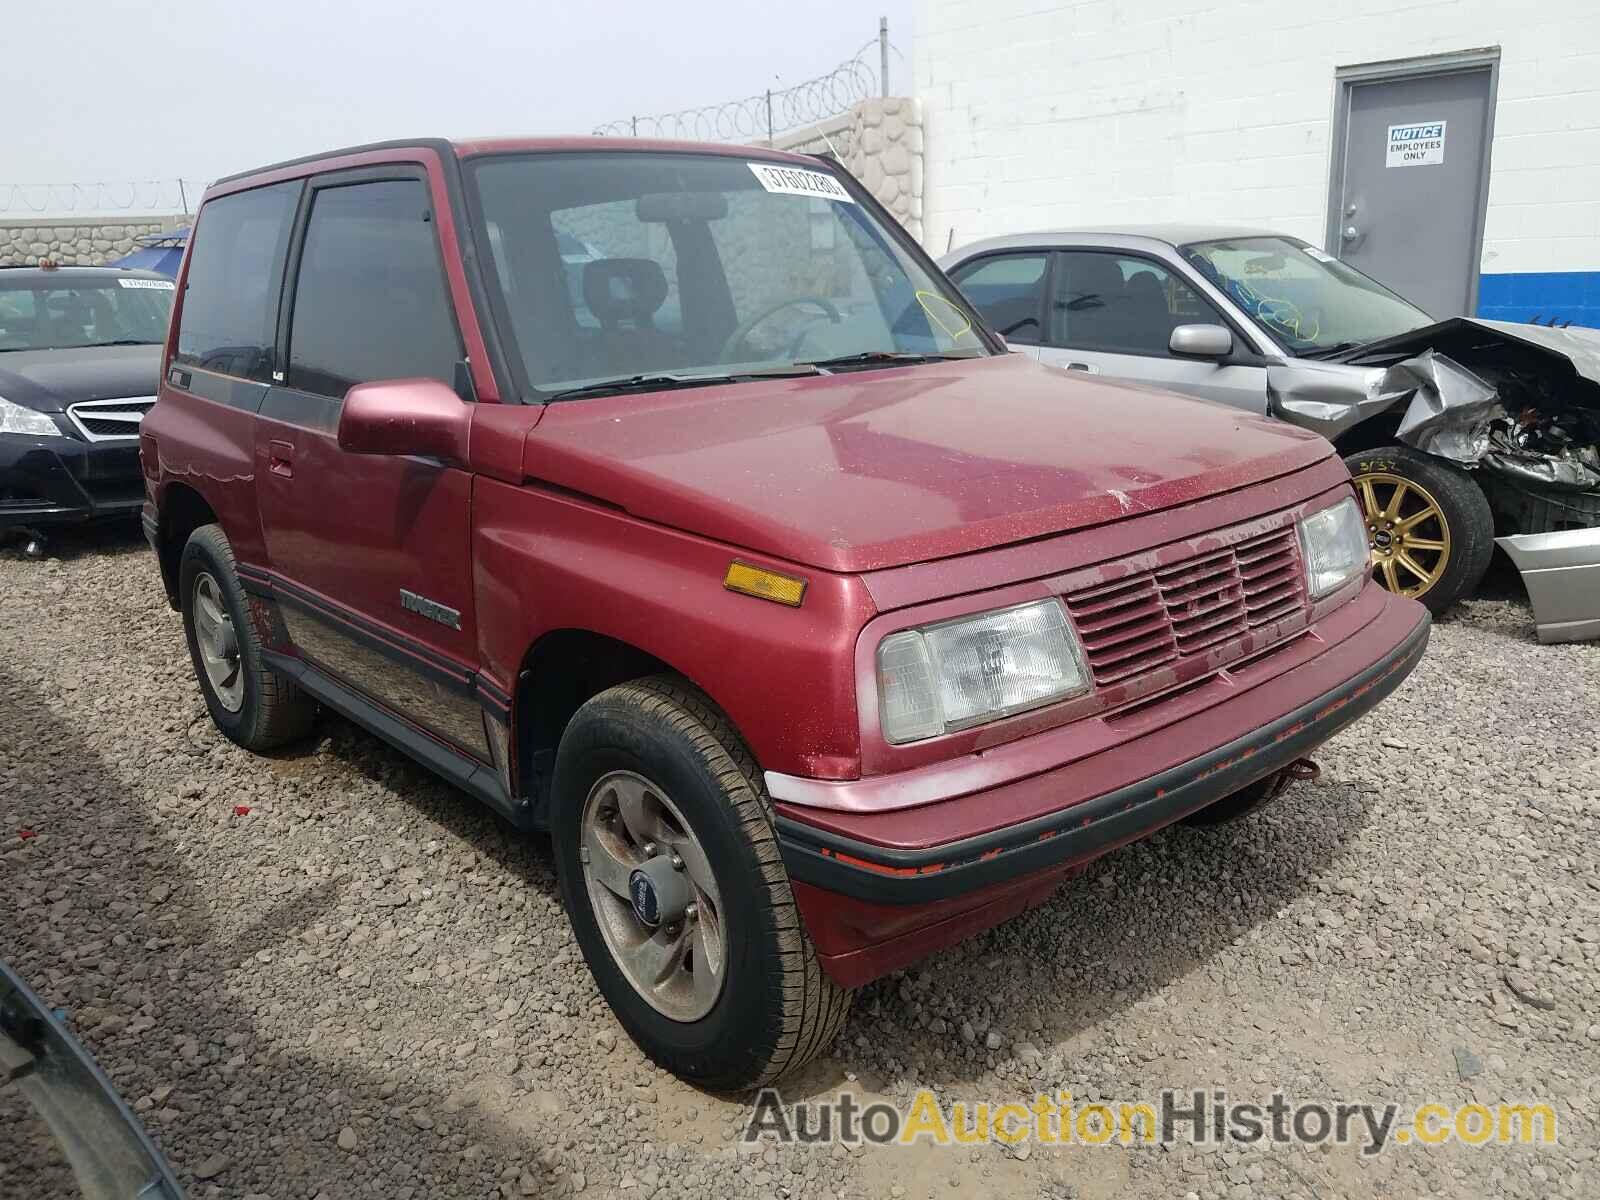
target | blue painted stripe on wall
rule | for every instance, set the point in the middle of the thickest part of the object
(1565, 296)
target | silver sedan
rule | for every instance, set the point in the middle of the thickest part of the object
(1453, 430)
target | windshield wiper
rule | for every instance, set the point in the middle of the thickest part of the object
(868, 358)
(666, 381)
(1330, 351)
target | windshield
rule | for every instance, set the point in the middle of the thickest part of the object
(615, 266)
(1309, 301)
(70, 314)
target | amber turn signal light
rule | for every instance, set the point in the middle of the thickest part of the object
(764, 584)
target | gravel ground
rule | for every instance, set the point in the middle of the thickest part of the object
(325, 973)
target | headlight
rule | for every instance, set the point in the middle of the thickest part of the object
(964, 672)
(1334, 545)
(16, 419)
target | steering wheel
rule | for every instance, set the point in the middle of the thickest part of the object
(736, 339)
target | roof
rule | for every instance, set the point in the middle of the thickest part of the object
(14, 275)
(473, 147)
(1167, 234)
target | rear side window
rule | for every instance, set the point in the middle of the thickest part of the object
(1008, 289)
(370, 301)
(230, 305)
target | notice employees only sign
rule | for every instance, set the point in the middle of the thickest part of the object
(1420, 144)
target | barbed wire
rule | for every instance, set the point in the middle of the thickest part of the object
(762, 116)
(161, 196)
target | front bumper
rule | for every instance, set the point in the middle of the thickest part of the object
(1562, 574)
(879, 889)
(61, 480)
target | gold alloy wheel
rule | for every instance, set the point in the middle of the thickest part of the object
(1407, 530)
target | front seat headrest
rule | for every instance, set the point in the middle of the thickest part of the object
(624, 289)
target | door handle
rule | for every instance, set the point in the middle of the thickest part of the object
(1086, 368)
(280, 458)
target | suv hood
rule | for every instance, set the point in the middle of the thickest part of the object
(49, 380)
(863, 470)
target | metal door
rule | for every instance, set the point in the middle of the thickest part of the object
(1410, 178)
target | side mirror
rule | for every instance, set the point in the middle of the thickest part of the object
(1201, 341)
(405, 416)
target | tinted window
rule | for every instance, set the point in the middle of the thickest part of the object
(1008, 289)
(230, 306)
(1122, 305)
(370, 301)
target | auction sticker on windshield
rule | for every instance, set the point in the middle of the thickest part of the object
(157, 285)
(796, 181)
(1420, 144)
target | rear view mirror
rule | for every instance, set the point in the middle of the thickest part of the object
(1201, 341)
(665, 207)
(405, 416)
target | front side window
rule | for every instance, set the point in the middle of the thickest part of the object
(230, 300)
(370, 299)
(1120, 304)
(706, 267)
(76, 312)
(1008, 289)
(1307, 300)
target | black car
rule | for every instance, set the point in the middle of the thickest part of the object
(80, 353)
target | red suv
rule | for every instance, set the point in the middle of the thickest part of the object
(734, 550)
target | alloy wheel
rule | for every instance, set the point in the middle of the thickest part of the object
(218, 642)
(1407, 530)
(654, 895)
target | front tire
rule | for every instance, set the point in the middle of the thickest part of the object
(708, 967)
(1428, 523)
(253, 706)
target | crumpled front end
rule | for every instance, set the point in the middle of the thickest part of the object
(1519, 406)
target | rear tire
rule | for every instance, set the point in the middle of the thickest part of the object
(1428, 522)
(252, 705)
(774, 1008)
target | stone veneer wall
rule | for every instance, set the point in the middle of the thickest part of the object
(880, 142)
(76, 243)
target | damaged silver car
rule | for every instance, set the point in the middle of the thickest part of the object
(1458, 433)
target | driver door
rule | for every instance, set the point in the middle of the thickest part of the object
(1113, 314)
(370, 554)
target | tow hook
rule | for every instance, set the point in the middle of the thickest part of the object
(1301, 770)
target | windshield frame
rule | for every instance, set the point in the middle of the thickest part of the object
(493, 294)
(1273, 335)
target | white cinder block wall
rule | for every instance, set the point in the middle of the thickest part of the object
(1059, 113)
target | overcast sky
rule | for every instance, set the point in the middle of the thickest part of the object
(200, 88)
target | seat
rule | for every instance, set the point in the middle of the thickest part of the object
(1149, 316)
(1091, 310)
(624, 295)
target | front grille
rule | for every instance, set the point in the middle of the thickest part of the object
(1207, 603)
(1274, 585)
(1124, 628)
(106, 420)
(1204, 598)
